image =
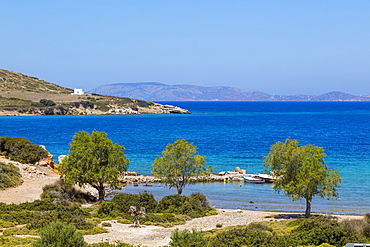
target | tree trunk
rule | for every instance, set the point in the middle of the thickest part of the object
(179, 190)
(101, 192)
(308, 207)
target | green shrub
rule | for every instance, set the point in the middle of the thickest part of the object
(124, 221)
(94, 230)
(60, 234)
(9, 176)
(121, 203)
(45, 102)
(106, 224)
(357, 230)
(188, 238)
(319, 230)
(6, 224)
(101, 106)
(21, 150)
(71, 215)
(142, 103)
(194, 206)
(15, 241)
(255, 234)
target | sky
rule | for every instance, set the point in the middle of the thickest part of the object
(274, 46)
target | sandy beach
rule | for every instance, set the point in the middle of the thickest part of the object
(36, 178)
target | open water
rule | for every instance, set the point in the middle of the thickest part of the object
(230, 134)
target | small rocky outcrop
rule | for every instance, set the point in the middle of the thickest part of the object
(88, 108)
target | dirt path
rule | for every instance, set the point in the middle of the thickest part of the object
(34, 180)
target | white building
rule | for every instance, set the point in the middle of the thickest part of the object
(78, 92)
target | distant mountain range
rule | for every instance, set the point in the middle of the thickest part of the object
(153, 91)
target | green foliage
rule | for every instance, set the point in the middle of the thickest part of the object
(171, 210)
(9, 176)
(21, 150)
(6, 241)
(39, 213)
(106, 224)
(60, 234)
(94, 159)
(102, 106)
(256, 234)
(194, 206)
(319, 230)
(357, 230)
(20, 231)
(46, 102)
(143, 103)
(121, 203)
(301, 171)
(73, 215)
(179, 164)
(94, 230)
(188, 238)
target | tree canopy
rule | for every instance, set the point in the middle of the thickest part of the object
(94, 159)
(179, 164)
(301, 171)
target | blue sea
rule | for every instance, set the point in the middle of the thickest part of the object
(230, 134)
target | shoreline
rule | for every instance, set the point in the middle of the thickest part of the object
(149, 235)
(35, 179)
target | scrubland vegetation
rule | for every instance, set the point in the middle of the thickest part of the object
(21, 150)
(315, 231)
(61, 203)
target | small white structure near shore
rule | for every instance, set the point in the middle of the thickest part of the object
(78, 92)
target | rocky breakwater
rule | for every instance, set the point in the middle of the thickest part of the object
(136, 178)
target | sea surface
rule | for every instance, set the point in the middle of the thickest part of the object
(229, 134)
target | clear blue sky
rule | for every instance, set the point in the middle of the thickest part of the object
(276, 46)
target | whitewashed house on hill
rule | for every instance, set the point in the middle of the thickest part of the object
(78, 92)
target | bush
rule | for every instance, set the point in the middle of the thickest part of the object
(71, 215)
(188, 238)
(14, 241)
(60, 234)
(357, 230)
(142, 103)
(21, 150)
(255, 234)
(106, 224)
(194, 206)
(319, 230)
(62, 194)
(45, 102)
(9, 176)
(121, 203)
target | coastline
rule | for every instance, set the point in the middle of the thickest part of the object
(150, 235)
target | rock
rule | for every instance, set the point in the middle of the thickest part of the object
(60, 158)
(237, 169)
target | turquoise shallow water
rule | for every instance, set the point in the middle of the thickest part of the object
(230, 134)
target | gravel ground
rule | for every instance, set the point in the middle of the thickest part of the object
(158, 236)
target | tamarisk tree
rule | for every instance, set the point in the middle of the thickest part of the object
(94, 159)
(301, 172)
(179, 165)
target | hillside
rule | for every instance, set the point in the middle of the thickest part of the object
(25, 95)
(161, 92)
